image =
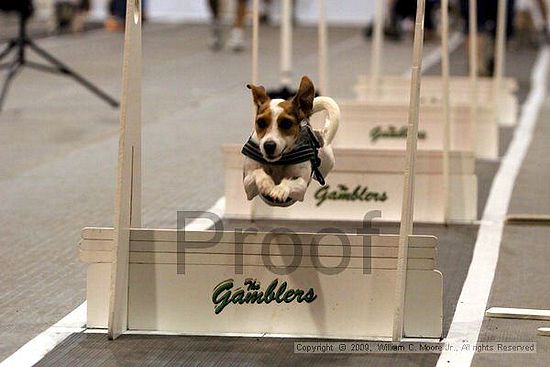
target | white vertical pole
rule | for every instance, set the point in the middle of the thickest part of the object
(474, 51)
(500, 49)
(255, 66)
(407, 209)
(377, 43)
(128, 179)
(323, 48)
(255, 40)
(446, 70)
(286, 43)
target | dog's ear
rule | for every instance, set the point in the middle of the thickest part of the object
(303, 100)
(259, 94)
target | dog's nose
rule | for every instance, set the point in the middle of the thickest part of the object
(269, 147)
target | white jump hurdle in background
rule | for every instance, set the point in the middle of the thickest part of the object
(381, 108)
(490, 92)
(383, 126)
(393, 89)
(364, 180)
(136, 283)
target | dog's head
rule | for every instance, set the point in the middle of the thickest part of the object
(277, 122)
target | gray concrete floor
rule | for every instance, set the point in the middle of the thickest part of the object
(58, 146)
(522, 277)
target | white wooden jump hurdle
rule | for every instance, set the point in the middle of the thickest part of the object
(497, 94)
(342, 287)
(350, 304)
(363, 180)
(393, 89)
(376, 118)
(521, 314)
(383, 126)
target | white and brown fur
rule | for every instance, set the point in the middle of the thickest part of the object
(276, 129)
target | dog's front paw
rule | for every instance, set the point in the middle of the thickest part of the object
(265, 185)
(280, 193)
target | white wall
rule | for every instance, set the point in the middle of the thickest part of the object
(339, 11)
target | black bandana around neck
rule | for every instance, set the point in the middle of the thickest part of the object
(306, 149)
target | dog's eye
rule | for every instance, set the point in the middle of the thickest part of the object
(262, 123)
(285, 124)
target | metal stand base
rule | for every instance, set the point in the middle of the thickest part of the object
(19, 46)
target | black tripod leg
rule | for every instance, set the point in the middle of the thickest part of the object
(5, 52)
(44, 68)
(64, 69)
(6, 65)
(12, 72)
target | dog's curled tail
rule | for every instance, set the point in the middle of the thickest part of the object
(333, 116)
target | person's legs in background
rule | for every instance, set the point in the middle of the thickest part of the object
(525, 24)
(544, 12)
(81, 15)
(482, 36)
(265, 16)
(236, 39)
(487, 14)
(117, 9)
(429, 21)
(401, 9)
(215, 42)
(531, 22)
(543, 8)
(392, 29)
(406, 10)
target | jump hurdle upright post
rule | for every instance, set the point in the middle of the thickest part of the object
(500, 48)
(255, 64)
(128, 179)
(474, 50)
(377, 42)
(255, 39)
(286, 42)
(407, 211)
(323, 48)
(445, 68)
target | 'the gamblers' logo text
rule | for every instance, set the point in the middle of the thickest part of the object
(225, 294)
(392, 132)
(343, 193)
